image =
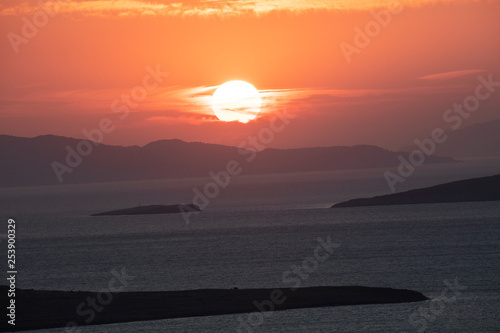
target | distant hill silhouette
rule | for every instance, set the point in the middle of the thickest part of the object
(27, 161)
(476, 189)
(479, 140)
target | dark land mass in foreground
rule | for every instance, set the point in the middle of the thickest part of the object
(37, 309)
(469, 190)
(153, 209)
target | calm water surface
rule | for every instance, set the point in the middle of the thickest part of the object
(255, 231)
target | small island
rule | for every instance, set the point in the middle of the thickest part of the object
(469, 190)
(153, 209)
(39, 309)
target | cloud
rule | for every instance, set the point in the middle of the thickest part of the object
(192, 105)
(191, 120)
(451, 75)
(127, 8)
(343, 96)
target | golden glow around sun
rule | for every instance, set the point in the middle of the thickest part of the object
(236, 101)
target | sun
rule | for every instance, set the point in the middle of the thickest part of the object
(236, 101)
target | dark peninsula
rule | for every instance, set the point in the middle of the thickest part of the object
(469, 190)
(38, 309)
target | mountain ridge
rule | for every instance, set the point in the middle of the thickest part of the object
(36, 161)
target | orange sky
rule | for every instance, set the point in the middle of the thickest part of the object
(65, 77)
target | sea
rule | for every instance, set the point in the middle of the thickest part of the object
(257, 228)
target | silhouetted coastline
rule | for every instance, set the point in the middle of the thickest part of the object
(469, 190)
(38, 309)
